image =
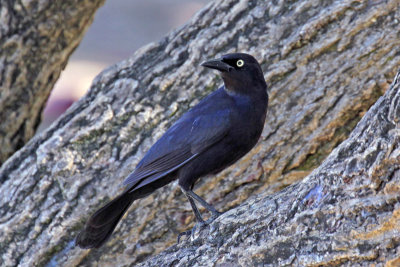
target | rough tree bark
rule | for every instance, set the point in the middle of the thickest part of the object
(326, 65)
(36, 40)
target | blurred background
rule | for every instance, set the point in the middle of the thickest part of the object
(119, 28)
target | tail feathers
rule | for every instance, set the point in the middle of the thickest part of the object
(102, 223)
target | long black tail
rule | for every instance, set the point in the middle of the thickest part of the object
(102, 223)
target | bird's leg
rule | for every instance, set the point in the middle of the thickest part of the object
(196, 211)
(214, 212)
(200, 222)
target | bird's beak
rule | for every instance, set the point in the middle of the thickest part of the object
(217, 64)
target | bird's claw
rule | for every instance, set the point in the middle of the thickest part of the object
(186, 233)
(214, 216)
(192, 231)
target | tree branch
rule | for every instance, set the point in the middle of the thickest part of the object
(36, 40)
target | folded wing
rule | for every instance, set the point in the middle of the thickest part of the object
(186, 139)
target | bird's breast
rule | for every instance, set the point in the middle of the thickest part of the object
(249, 123)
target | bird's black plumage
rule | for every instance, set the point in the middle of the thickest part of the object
(214, 134)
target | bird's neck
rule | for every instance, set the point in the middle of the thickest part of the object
(237, 88)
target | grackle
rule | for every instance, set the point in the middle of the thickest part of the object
(214, 134)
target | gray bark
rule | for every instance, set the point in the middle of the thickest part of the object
(325, 65)
(36, 40)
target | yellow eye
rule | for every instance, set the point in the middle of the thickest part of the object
(240, 63)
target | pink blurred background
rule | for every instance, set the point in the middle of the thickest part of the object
(119, 28)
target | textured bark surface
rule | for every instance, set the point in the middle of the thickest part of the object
(325, 64)
(36, 39)
(346, 212)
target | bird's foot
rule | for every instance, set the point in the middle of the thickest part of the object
(200, 225)
(186, 233)
(214, 216)
(192, 231)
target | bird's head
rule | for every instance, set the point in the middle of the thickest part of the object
(239, 71)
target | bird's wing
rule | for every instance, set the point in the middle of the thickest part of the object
(186, 139)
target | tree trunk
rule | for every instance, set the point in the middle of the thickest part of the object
(325, 65)
(36, 40)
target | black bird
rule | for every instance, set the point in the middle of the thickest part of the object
(214, 134)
